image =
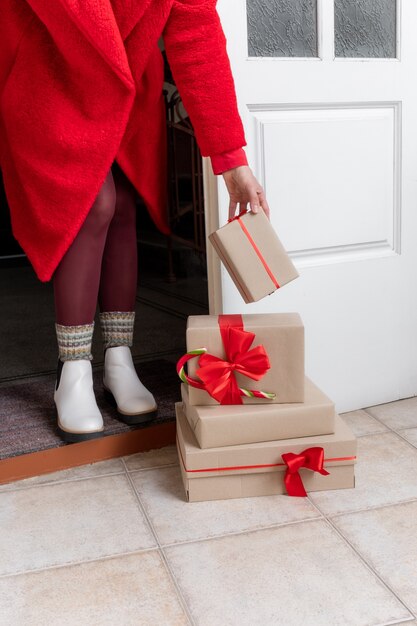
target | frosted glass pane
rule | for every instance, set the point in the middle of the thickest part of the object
(282, 28)
(365, 28)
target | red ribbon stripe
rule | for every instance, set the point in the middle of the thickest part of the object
(255, 247)
(238, 467)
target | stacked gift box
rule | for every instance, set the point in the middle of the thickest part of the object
(250, 422)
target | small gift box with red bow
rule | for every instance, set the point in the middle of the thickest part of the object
(235, 424)
(292, 466)
(253, 255)
(244, 359)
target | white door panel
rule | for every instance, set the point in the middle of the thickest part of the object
(333, 140)
(348, 189)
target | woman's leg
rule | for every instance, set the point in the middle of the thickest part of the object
(77, 278)
(76, 282)
(117, 295)
(118, 282)
(117, 292)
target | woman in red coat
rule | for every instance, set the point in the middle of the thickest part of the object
(82, 131)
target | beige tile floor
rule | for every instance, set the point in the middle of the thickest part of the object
(116, 543)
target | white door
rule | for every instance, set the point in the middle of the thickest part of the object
(327, 92)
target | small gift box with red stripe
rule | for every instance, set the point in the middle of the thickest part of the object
(235, 424)
(255, 358)
(253, 255)
(292, 466)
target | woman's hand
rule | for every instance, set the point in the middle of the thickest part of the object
(243, 188)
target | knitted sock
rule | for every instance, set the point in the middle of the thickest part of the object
(74, 342)
(117, 328)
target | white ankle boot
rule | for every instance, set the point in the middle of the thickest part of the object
(134, 402)
(78, 415)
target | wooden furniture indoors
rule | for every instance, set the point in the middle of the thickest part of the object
(185, 183)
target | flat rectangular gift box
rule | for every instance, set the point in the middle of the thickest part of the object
(253, 255)
(281, 334)
(234, 424)
(258, 469)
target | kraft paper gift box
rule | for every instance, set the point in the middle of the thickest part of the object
(281, 334)
(229, 425)
(253, 255)
(258, 469)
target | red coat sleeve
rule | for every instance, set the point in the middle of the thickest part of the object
(195, 46)
(227, 160)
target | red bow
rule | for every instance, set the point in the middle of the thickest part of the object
(310, 458)
(218, 374)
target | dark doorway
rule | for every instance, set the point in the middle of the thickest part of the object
(172, 285)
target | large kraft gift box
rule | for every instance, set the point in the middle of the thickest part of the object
(253, 255)
(258, 469)
(229, 425)
(281, 335)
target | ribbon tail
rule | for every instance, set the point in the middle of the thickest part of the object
(294, 484)
(315, 460)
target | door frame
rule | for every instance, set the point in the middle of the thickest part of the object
(211, 214)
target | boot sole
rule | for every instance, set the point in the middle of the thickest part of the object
(127, 418)
(77, 437)
(71, 437)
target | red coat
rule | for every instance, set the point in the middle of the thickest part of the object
(81, 86)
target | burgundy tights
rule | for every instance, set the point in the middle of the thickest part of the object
(101, 263)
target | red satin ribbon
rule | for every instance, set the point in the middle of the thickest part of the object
(218, 375)
(300, 493)
(310, 458)
(255, 247)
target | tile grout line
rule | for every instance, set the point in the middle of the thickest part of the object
(375, 507)
(364, 561)
(242, 532)
(161, 552)
(56, 482)
(148, 469)
(394, 623)
(78, 478)
(106, 557)
(404, 438)
(392, 430)
(368, 434)
(177, 587)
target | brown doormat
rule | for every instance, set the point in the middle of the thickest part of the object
(27, 409)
